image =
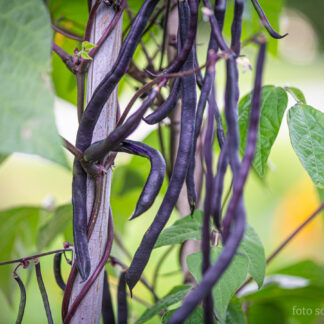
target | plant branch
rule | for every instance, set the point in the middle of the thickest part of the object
(32, 257)
(72, 149)
(67, 33)
(66, 58)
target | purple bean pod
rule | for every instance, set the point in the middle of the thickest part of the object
(190, 178)
(188, 107)
(205, 244)
(100, 149)
(57, 271)
(166, 108)
(251, 143)
(79, 185)
(107, 307)
(155, 179)
(22, 302)
(122, 300)
(237, 26)
(265, 22)
(43, 292)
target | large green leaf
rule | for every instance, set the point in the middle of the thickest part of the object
(252, 247)
(186, 228)
(27, 120)
(306, 129)
(230, 281)
(18, 229)
(196, 317)
(273, 105)
(56, 225)
(174, 296)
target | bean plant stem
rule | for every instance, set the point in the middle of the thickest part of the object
(22, 260)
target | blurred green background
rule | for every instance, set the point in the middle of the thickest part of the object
(275, 205)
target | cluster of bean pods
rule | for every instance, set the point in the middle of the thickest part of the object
(184, 90)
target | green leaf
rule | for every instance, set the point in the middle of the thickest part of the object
(252, 247)
(273, 105)
(196, 317)
(186, 228)
(85, 55)
(18, 228)
(56, 225)
(174, 296)
(235, 313)
(306, 129)
(230, 281)
(88, 46)
(27, 121)
(297, 94)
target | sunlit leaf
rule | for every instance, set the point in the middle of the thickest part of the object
(306, 129)
(253, 248)
(273, 105)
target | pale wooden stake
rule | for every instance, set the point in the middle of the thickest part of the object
(89, 311)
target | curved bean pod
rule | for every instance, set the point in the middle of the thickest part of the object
(181, 165)
(79, 185)
(22, 303)
(109, 82)
(155, 179)
(265, 22)
(122, 300)
(107, 307)
(99, 149)
(43, 292)
(57, 271)
(166, 108)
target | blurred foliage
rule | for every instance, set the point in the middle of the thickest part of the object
(313, 10)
